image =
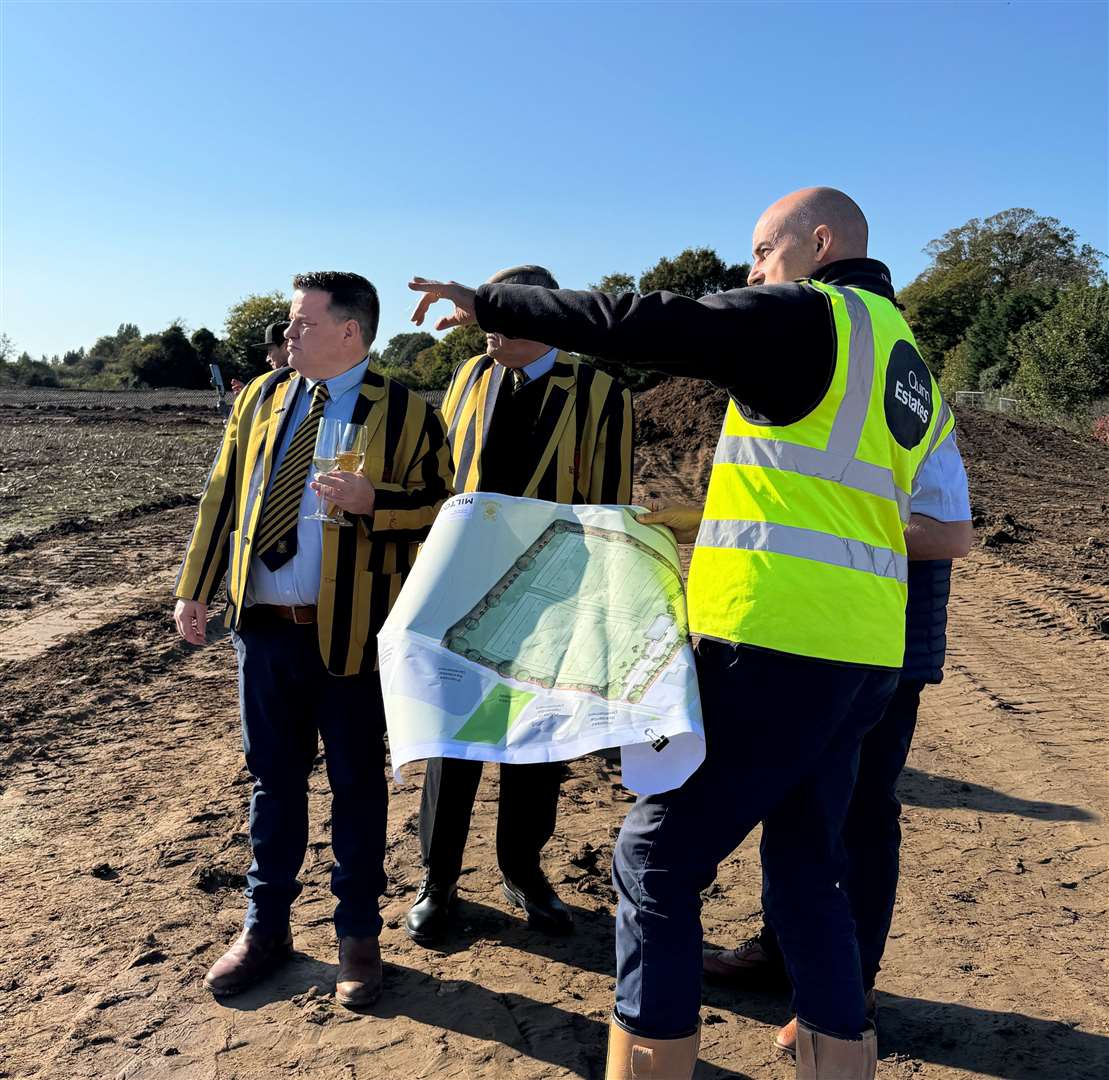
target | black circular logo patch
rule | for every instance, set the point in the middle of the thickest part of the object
(909, 401)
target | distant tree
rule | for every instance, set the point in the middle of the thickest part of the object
(403, 349)
(165, 359)
(433, 367)
(957, 372)
(245, 325)
(1000, 316)
(1063, 358)
(615, 283)
(695, 272)
(26, 371)
(7, 348)
(1015, 249)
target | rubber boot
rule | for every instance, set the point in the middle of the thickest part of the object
(820, 1057)
(633, 1057)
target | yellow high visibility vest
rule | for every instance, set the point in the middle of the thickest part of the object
(802, 546)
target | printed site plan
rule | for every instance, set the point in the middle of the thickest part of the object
(533, 631)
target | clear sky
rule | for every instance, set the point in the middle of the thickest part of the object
(163, 160)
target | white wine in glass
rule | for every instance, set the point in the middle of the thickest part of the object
(339, 446)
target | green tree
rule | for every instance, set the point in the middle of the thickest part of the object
(615, 283)
(165, 359)
(402, 350)
(245, 325)
(1000, 316)
(1063, 358)
(958, 371)
(1015, 249)
(28, 372)
(433, 367)
(695, 272)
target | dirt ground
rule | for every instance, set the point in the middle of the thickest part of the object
(123, 803)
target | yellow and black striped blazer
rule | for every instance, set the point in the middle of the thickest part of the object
(581, 444)
(363, 568)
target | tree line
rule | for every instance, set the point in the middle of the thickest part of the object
(1013, 304)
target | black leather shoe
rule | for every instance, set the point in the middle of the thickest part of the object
(428, 918)
(541, 905)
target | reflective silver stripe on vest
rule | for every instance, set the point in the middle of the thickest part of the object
(809, 461)
(804, 544)
(941, 419)
(847, 428)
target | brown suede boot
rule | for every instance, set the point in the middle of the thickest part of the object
(358, 983)
(786, 1039)
(633, 1057)
(253, 956)
(820, 1057)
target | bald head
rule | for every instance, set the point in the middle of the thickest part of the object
(804, 231)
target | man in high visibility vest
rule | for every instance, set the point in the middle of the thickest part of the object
(798, 588)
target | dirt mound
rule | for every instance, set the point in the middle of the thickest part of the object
(679, 414)
(1040, 494)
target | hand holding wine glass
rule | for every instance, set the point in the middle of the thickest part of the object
(339, 456)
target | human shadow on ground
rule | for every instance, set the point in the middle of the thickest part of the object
(919, 788)
(591, 946)
(1003, 1045)
(549, 1033)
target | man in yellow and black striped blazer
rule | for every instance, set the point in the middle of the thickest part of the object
(305, 602)
(523, 419)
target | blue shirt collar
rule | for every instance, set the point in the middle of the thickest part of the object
(536, 369)
(343, 383)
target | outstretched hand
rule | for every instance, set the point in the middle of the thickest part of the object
(459, 295)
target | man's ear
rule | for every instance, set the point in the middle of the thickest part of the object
(822, 243)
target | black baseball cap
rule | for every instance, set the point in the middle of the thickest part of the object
(275, 335)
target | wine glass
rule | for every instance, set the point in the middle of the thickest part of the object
(339, 446)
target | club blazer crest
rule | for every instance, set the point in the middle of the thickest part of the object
(581, 444)
(363, 568)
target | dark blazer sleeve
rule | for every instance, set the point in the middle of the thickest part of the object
(771, 347)
(612, 466)
(405, 508)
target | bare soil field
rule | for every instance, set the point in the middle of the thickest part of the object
(123, 804)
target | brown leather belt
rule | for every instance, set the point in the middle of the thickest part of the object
(303, 615)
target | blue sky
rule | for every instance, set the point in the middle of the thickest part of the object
(163, 160)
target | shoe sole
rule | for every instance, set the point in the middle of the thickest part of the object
(357, 1001)
(537, 922)
(428, 940)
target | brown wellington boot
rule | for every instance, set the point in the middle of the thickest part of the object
(252, 956)
(786, 1039)
(358, 983)
(820, 1057)
(633, 1057)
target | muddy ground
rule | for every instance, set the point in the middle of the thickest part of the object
(123, 816)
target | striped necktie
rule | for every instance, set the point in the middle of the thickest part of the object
(276, 542)
(519, 379)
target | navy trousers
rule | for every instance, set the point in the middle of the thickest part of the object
(288, 700)
(526, 816)
(872, 832)
(783, 735)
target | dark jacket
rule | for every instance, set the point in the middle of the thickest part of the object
(740, 340)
